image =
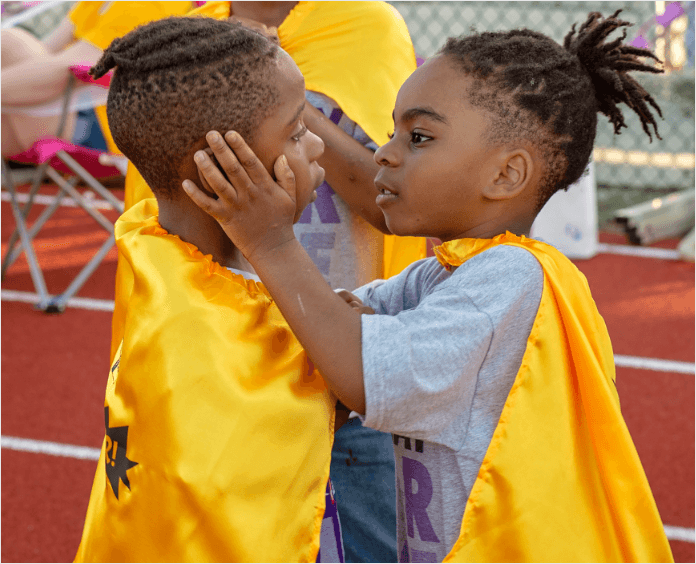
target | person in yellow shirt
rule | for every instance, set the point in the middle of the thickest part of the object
(36, 72)
(354, 56)
(489, 363)
(218, 430)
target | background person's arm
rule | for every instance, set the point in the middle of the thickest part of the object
(42, 80)
(60, 37)
(350, 167)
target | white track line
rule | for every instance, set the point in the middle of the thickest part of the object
(88, 453)
(680, 534)
(80, 303)
(657, 364)
(45, 200)
(602, 248)
(643, 252)
(54, 449)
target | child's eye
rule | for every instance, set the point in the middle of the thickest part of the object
(300, 134)
(417, 138)
(390, 135)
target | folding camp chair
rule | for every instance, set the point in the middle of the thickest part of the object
(54, 156)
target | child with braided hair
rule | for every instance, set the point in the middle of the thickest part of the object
(218, 428)
(489, 363)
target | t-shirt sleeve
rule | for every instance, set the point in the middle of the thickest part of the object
(400, 292)
(421, 366)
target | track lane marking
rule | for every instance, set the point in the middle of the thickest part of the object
(684, 534)
(657, 364)
(624, 361)
(79, 303)
(602, 248)
(45, 200)
(642, 252)
(47, 447)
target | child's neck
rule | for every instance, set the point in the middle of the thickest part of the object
(181, 217)
(497, 221)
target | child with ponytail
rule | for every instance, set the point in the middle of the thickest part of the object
(489, 363)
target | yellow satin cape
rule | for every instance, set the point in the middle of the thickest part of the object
(227, 426)
(99, 23)
(561, 480)
(357, 53)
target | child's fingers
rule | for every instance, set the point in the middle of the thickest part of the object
(347, 296)
(214, 178)
(203, 201)
(247, 158)
(285, 177)
(228, 160)
(204, 182)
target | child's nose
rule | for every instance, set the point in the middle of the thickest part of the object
(384, 156)
(316, 146)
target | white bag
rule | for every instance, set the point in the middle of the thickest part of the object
(568, 221)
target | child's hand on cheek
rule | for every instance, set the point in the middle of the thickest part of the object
(255, 211)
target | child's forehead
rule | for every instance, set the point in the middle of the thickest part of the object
(436, 90)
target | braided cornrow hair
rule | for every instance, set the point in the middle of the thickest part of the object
(178, 78)
(538, 90)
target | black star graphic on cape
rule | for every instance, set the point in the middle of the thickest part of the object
(116, 461)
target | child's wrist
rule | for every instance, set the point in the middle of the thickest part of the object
(271, 249)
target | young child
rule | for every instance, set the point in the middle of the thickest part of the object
(218, 429)
(489, 363)
(339, 47)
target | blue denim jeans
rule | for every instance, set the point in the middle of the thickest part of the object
(362, 473)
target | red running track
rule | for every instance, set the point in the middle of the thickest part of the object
(55, 367)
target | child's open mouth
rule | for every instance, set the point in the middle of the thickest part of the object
(385, 195)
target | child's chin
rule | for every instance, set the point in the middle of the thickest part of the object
(397, 229)
(404, 231)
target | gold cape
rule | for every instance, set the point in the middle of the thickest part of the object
(219, 430)
(99, 23)
(357, 53)
(561, 480)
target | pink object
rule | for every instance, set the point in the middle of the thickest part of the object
(672, 11)
(45, 149)
(81, 72)
(640, 42)
(199, 4)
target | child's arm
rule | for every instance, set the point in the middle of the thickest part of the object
(257, 214)
(350, 167)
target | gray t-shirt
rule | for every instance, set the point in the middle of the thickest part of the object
(439, 359)
(345, 248)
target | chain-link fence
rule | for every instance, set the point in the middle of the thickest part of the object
(42, 23)
(628, 162)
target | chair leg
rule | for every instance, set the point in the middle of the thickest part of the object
(88, 179)
(10, 257)
(79, 200)
(57, 304)
(34, 269)
(12, 251)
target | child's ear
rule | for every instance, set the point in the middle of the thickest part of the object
(512, 175)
